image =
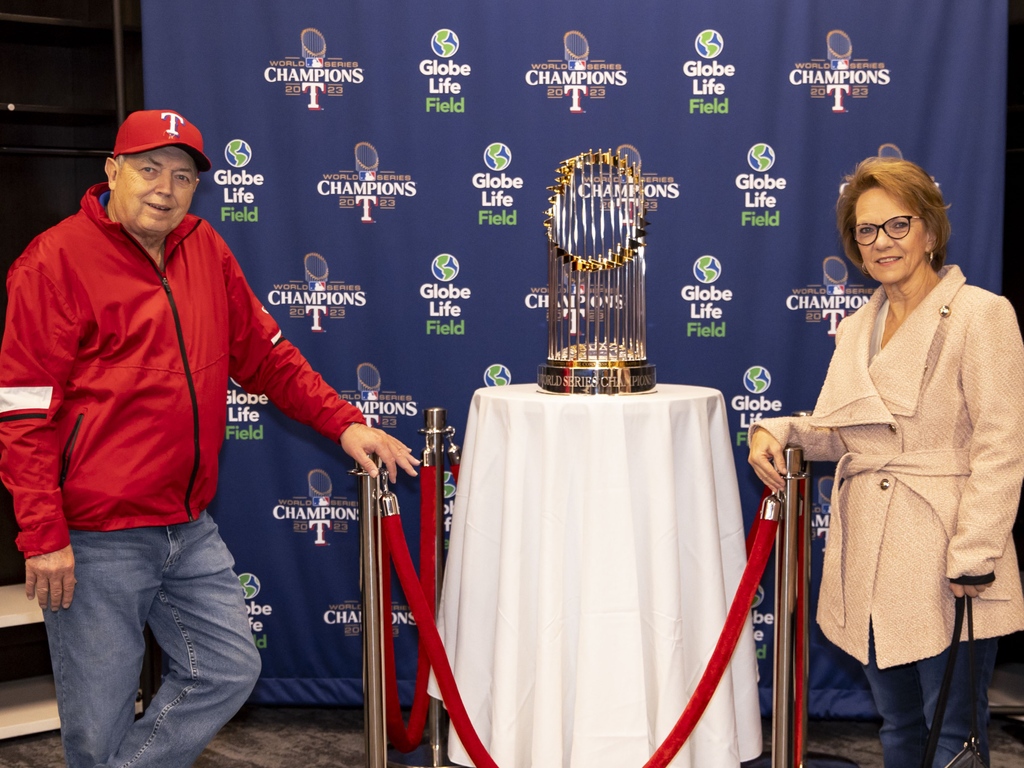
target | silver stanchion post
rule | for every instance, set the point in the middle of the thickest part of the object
(785, 609)
(374, 723)
(793, 535)
(433, 754)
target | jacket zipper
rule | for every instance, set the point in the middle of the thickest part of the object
(69, 447)
(191, 394)
(184, 361)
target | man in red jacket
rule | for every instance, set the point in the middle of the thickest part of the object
(124, 323)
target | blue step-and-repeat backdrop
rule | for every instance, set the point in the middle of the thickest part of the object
(380, 170)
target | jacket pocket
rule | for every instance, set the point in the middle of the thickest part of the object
(69, 448)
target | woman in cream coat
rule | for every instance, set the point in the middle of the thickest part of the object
(923, 409)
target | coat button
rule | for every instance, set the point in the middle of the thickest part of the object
(892, 427)
(944, 310)
(884, 485)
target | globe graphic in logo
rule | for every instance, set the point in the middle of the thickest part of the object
(757, 379)
(758, 597)
(250, 585)
(709, 44)
(445, 267)
(444, 43)
(497, 156)
(238, 153)
(761, 157)
(707, 269)
(497, 375)
(449, 485)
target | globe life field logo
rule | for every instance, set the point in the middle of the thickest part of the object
(238, 153)
(707, 76)
(449, 501)
(758, 190)
(256, 612)
(757, 618)
(443, 296)
(497, 375)
(250, 585)
(237, 185)
(704, 299)
(754, 405)
(495, 187)
(243, 414)
(442, 75)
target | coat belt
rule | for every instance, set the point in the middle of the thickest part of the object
(939, 462)
(914, 469)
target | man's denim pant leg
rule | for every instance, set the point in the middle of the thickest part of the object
(180, 580)
(906, 695)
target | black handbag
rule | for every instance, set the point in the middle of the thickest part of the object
(970, 755)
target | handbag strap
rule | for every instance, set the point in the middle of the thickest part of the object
(970, 658)
(947, 679)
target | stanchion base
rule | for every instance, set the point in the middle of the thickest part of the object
(421, 757)
(811, 760)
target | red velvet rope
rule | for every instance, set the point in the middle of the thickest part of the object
(406, 739)
(752, 534)
(739, 612)
(424, 615)
(735, 621)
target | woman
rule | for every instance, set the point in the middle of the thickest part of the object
(923, 409)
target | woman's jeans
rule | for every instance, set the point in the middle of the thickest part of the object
(179, 580)
(906, 695)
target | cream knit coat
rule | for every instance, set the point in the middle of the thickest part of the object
(929, 441)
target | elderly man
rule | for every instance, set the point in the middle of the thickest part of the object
(124, 323)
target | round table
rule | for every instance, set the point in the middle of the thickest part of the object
(596, 544)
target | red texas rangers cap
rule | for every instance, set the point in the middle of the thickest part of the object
(154, 128)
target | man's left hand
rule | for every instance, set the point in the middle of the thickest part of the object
(360, 441)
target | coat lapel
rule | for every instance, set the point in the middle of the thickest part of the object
(855, 393)
(900, 368)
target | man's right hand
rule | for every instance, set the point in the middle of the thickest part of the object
(50, 579)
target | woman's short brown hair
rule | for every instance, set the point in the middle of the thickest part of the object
(905, 182)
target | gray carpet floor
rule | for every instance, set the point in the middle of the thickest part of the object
(297, 737)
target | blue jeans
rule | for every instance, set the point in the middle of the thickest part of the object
(179, 580)
(906, 695)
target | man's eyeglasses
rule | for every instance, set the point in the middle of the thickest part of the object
(896, 228)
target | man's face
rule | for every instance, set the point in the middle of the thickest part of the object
(151, 192)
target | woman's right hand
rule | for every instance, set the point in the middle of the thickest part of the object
(766, 455)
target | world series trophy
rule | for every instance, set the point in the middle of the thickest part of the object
(597, 334)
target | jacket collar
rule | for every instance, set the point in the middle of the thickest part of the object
(856, 393)
(94, 208)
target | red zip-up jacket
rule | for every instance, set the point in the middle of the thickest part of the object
(114, 375)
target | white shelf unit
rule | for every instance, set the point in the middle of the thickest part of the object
(28, 705)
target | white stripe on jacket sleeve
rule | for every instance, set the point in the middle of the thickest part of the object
(25, 398)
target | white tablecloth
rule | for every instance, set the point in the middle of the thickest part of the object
(595, 546)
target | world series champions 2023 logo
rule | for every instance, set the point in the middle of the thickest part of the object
(839, 76)
(313, 74)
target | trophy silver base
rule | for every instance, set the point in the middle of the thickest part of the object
(593, 379)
